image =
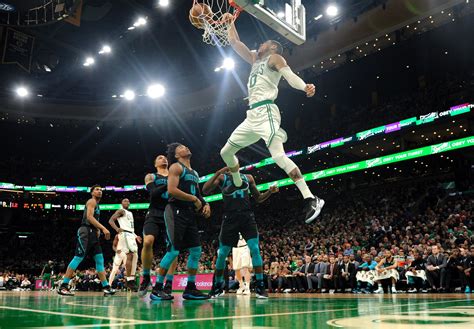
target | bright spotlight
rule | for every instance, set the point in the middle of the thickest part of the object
(163, 3)
(228, 64)
(332, 10)
(318, 17)
(140, 22)
(105, 50)
(129, 95)
(22, 91)
(89, 61)
(155, 91)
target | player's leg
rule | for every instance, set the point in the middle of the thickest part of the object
(175, 229)
(246, 274)
(131, 248)
(222, 254)
(168, 288)
(116, 266)
(81, 248)
(192, 241)
(242, 137)
(313, 204)
(100, 267)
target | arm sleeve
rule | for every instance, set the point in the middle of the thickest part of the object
(155, 190)
(294, 80)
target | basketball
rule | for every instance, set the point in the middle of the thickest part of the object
(198, 13)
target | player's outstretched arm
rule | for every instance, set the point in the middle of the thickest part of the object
(90, 205)
(173, 181)
(278, 63)
(239, 47)
(257, 196)
(214, 182)
(115, 216)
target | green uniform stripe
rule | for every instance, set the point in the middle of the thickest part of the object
(272, 127)
(258, 104)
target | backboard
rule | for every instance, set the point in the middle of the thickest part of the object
(287, 17)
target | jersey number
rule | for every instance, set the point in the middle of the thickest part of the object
(238, 194)
(253, 77)
(193, 190)
(165, 196)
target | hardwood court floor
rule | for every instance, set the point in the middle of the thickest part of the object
(289, 311)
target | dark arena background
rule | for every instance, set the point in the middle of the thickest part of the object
(92, 91)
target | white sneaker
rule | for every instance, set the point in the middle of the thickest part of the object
(313, 209)
(379, 291)
(240, 291)
(286, 290)
(412, 290)
(394, 290)
(246, 291)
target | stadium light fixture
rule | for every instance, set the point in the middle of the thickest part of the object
(228, 64)
(140, 22)
(155, 91)
(129, 95)
(163, 3)
(22, 92)
(332, 10)
(105, 50)
(318, 17)
(89, 61)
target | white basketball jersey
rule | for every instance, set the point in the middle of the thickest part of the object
(126, 222)
(263, 82)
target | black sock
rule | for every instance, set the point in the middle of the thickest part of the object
(191, 285)
(158, 286)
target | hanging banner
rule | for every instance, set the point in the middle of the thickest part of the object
(18, 49)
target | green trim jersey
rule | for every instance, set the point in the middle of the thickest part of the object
(126, 222)
(188, 183)
(237, 201)
(263, 82)
(85, 221)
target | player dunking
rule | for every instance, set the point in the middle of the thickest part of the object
(181, 221)
(128, 239)
(238, 218)
(154, 227)
(263, 117)
(88, 242)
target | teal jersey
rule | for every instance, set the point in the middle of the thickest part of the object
(239, 200)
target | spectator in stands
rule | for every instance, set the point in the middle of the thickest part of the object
(346, 274)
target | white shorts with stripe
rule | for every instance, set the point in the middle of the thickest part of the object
(262, 122)
(241, 258)
(129, 242)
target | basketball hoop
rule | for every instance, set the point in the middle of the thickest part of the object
(215, 18)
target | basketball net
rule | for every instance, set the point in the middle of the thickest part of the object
(216, 28)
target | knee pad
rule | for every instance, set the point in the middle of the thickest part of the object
(222, 254)
(193, 259)
(169, 258)
(75, 262)
(228, 155)
(284, 162)
(255, 252)
(99, 262)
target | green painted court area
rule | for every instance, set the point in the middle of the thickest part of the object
(90, 310)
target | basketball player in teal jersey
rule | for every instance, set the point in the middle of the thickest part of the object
(263, 117)
(88, 242)
(154, 228)
(181, 215)
(238, 217)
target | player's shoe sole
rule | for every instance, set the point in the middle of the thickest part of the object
(195, 295)
(231, 189)
(313, 212)
(160, 295)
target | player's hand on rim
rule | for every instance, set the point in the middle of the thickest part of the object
(310, 90)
